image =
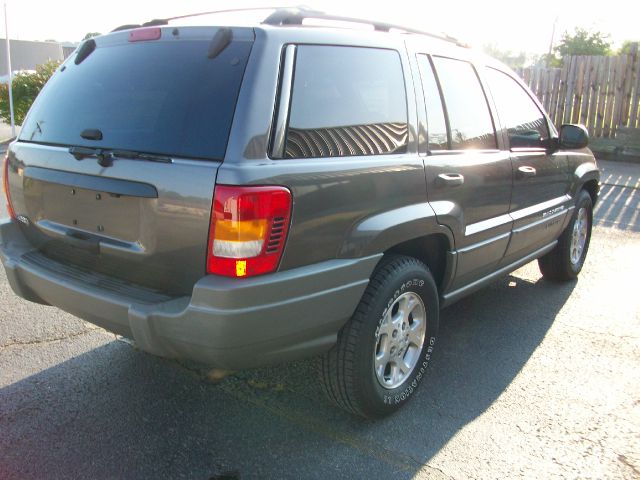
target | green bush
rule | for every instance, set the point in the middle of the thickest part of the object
(26, 87)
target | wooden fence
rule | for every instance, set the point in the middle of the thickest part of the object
(602, 93)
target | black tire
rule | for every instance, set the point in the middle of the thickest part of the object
(347, 371)
(557, 264)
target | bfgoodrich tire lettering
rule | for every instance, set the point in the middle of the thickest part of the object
(348, 370)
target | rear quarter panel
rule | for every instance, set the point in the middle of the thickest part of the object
(339, 203)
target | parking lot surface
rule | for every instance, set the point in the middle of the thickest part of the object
(530, 379)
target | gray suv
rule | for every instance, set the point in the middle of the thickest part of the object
(242, 196)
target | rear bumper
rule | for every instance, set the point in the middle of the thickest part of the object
(228, 323)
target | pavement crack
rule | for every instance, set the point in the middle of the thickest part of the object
(625, 461)
(47, 341)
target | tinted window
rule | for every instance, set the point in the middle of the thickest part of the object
(161, 97)
(437, 127)
(469, 118)
(525, 123)
(346, 101)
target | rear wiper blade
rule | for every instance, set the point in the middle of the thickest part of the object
(131, 154)
(105, 157)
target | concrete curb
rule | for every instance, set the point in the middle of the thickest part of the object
(615, 149)
(615, 155)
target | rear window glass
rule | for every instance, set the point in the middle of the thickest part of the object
(347, 101)
(163, 97)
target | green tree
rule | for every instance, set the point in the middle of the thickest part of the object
(583, 42)
(626, 47)
(91, 35)
(25, 88)
(548, 60)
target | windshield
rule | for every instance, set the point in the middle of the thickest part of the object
(165, 97)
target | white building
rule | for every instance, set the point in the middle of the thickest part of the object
(27, 55)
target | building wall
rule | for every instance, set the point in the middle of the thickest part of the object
(26, 55)
(68, 50)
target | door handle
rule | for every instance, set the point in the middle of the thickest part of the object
(526, 171)
(450, 179)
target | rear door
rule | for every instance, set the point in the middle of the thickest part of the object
(115, 166)
(540, 177)
(468, 176)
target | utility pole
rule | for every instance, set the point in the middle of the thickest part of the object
(553, 34)
(6, 29)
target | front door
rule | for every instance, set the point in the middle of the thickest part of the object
(540, 199)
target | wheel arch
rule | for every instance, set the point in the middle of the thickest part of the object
(434, 251)
(592, 188)
(587, 177)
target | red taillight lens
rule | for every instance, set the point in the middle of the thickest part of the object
(5, 187)
(248, 230)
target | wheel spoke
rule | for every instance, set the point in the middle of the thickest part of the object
(384, 349)
(407, 363)
(385, 328)
(411, 305)
(416, 335)
(387, 324)
(395, 373)
(397, 319)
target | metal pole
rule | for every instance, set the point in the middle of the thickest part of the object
(6, 29)
(553, 34)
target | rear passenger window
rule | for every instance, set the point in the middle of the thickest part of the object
(525, 123)
(436, 124)
(346, 101)
(469, 118)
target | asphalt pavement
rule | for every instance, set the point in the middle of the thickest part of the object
(530, 379)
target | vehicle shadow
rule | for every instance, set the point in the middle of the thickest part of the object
(117, 412)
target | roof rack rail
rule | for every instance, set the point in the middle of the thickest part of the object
(295, 16)
(165, 21)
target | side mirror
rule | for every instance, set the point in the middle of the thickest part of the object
(573, 137)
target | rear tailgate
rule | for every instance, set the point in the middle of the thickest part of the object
(143, 220)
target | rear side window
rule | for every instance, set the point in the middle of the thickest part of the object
(436, 124)
(469, 117)
(525, 123)
(346, 101)
(163, 97)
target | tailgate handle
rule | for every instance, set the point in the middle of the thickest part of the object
(82, 241)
